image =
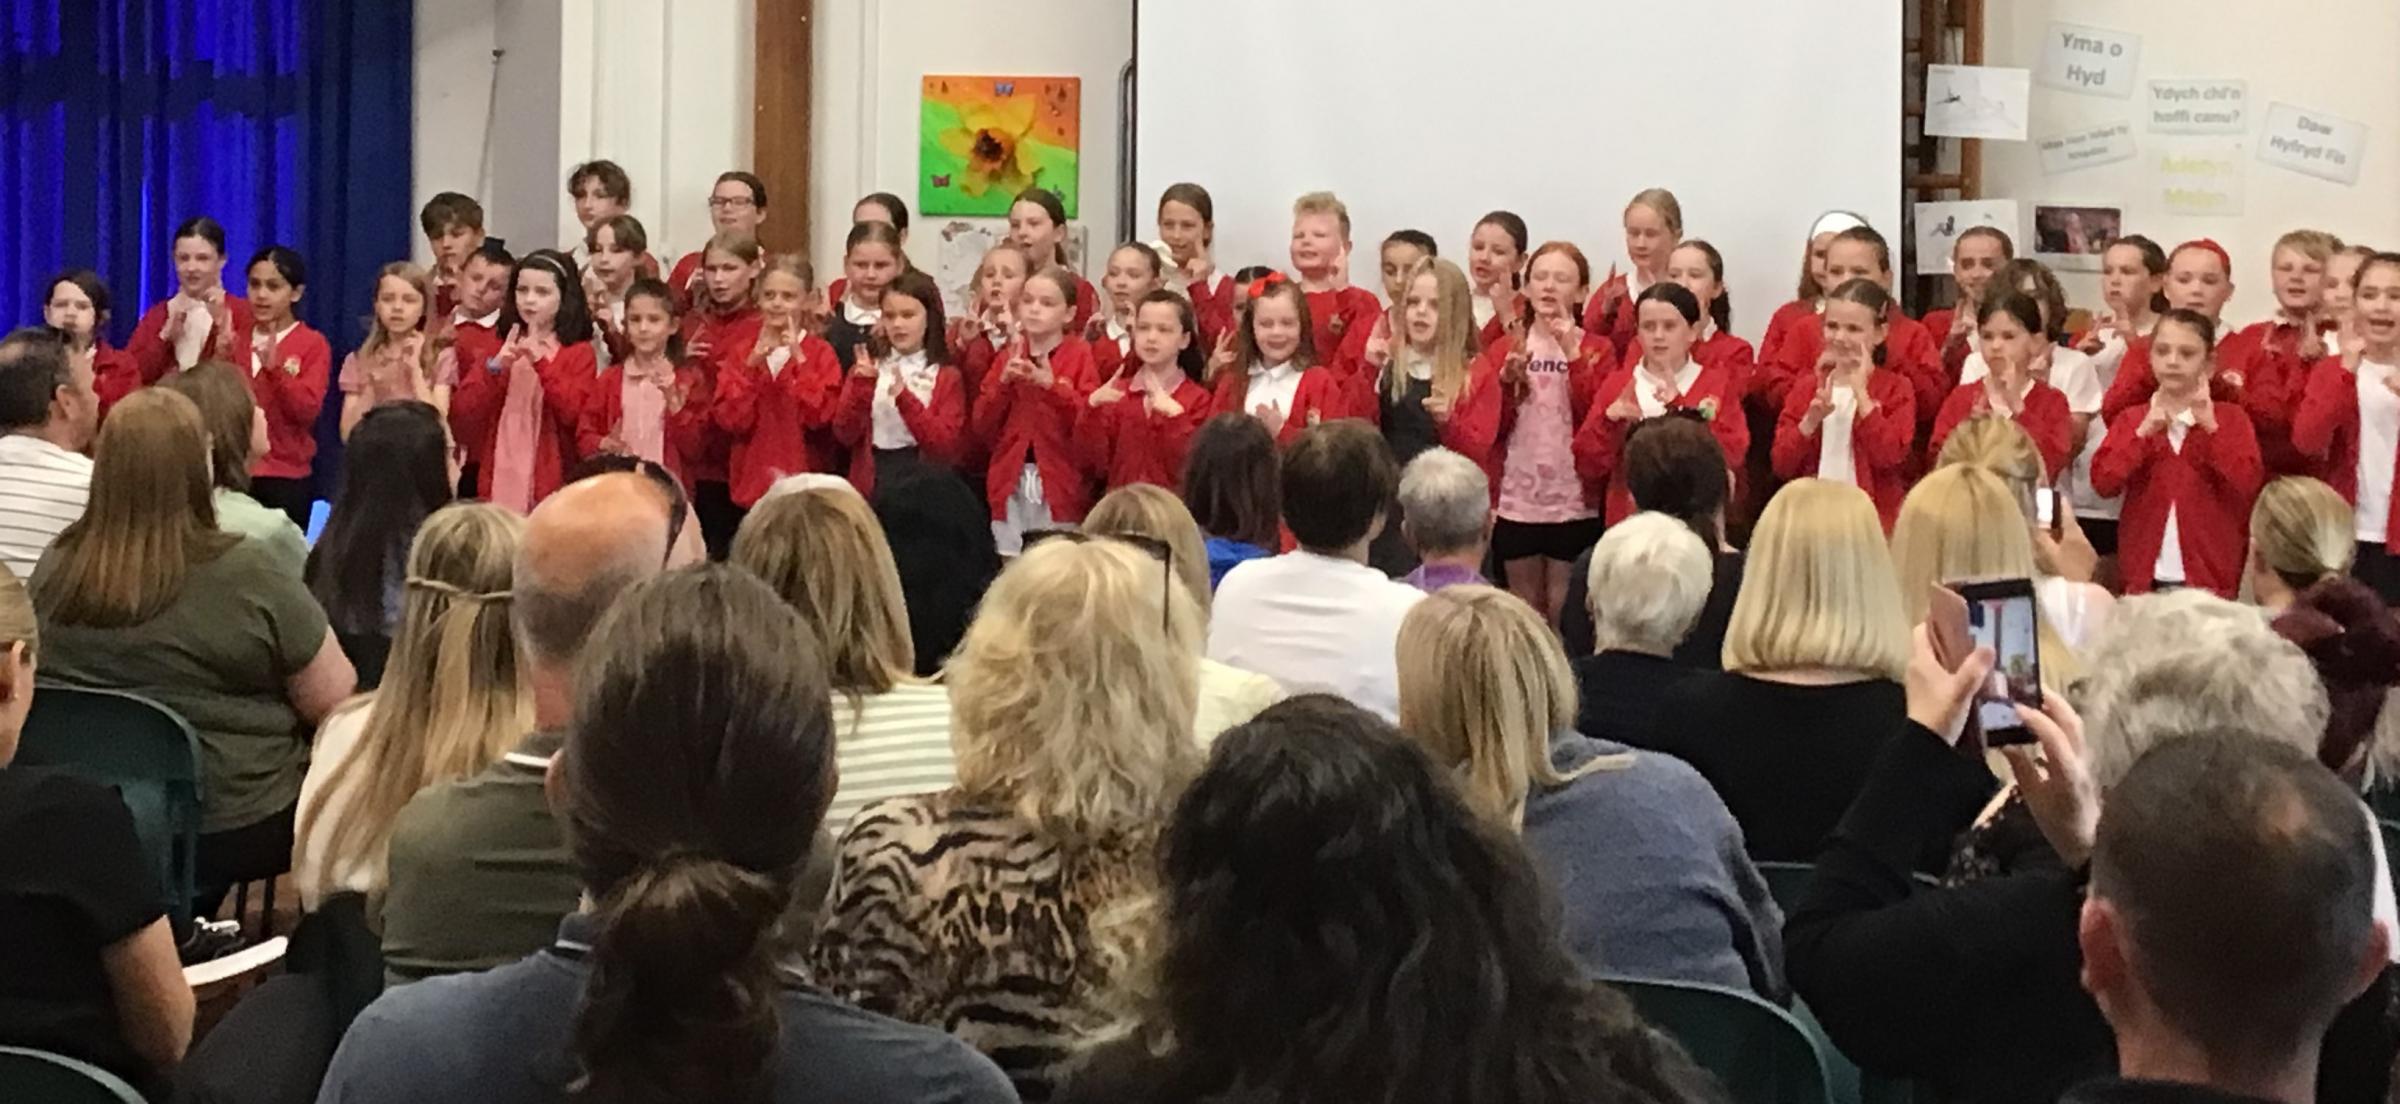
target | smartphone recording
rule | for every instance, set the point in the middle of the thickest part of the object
(2001, 617)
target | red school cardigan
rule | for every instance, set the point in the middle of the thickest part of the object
(154, 355)
(605, 409)
(1600, 440)
(1319, 398)
(1734, 355)
(1879, 442)
(1124, 442)
(2209, 485)
(728, 338)
(1907, 351)
(939, 422)
(1610, 312)
(1020, 423)
(289, 385)
(2044, 416)
(481, 393)
(779, 423)
(1779, 330)
(2325, 431)
(2135, 383)
(2265, 358)
(1333, 316)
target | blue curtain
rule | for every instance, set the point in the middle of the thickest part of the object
(285, 120)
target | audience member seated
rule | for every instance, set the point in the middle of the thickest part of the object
(1649, 577)
(48, 414)
(1318, 618)
(1446, 515)
(1335, 923)
(977, 909)
(144, 594)
(2301, 533)
(931, 519)
(2218, 997)
(87, 966)
(237, 439)
(1960, 524)
(1146, 511)
(1810, 692)
(1673, 466)
(1974, 989)
(1486, 689)
(479, 869)
(396, 472)
(2301, 547)
(453, 701)
(2075, 608)
(823, 551)
(1233, 483)
(695, 770)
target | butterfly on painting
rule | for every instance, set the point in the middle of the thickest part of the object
(1004, 88)
(942, 181)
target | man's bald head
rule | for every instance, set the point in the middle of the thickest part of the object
(583, 546)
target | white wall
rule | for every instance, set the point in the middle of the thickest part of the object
(665, 92)
(2335, 56)
(870, 56)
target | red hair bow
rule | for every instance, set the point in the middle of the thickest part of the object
(1265, 284)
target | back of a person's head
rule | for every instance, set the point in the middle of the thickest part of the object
(453, 697)
(1818, 588)
(1650, 577)
(2302, 530)
(395, 471)
(1336, 923)
(1072, 696)
(1673, 465)
(1999, 445)
(1233, 480)
(149, 519)
(583, 546)
(33, 366)
(1957, 524)
(2188, 662)
(2232, 884)
(1337, 481)
(824, 552)
(1483, 685)
(1445, 502)
(229, 412)
(696, 769)
(1151, 512)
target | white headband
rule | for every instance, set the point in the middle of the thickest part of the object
(1834, 222)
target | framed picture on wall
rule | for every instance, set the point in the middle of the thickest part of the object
(2071, 239)
(983, 139)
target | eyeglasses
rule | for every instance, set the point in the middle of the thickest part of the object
(1155, 548)
(729, 203)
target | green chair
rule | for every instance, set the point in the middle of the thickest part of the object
(32, 1075)
(143, 750)
(1786, 881)
(1758, 1052)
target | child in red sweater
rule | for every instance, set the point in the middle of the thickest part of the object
(1271, 373)
(1853, 420)
(2188, 466)
(1037, 222)
(903, 400)
(776, 402)
(2015, 351)
(1653, 223)
(1544, 378)
(1667, 378)
(1321, 262)
(653, 403)
(536, 383)
(2349, 421)
(1187, 226)
(289, 367)
(1025, 415)
(1139, 424)
(1134, 271)
(199, 322)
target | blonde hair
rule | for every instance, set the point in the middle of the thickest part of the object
(1961, 524)
(1818, 588)
(823, 550)
(1454, 330)
(1149, 510)
(453, 698)
(1323, 203)
(1484, 684)
(1997, 444)
(150, 519)
(1073, 694)
(414, 277)
(1662, 201)
(2301, 530)
(2316, 245)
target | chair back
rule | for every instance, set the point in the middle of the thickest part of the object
(1758, 1052)
(57, 1079)
(143, 750)
(1786, 881)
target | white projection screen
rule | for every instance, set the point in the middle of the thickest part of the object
(1757, 114)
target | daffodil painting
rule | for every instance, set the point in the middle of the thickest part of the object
(982, 140)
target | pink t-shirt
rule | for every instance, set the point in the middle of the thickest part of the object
(1538, 483)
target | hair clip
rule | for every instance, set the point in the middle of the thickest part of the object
(1264, 284)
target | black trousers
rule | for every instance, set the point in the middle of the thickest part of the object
(2375, 566)
(712, 503)
(295, 497)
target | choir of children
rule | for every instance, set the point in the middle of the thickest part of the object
(736, 370)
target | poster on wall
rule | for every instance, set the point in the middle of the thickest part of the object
(2100, 145)
(2312, 143)
(981, 140)
(2202, 178)
(2072, 238)
(2199, 107)
(1976, 101)
(1940, 223)
(2090, 60)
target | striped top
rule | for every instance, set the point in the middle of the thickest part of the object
(893, 744)
(42, 491)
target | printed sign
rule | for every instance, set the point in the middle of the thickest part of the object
(2201, 178)
(2083, 149)
(2199, 107)
(2089, 60)
(2312, 143)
